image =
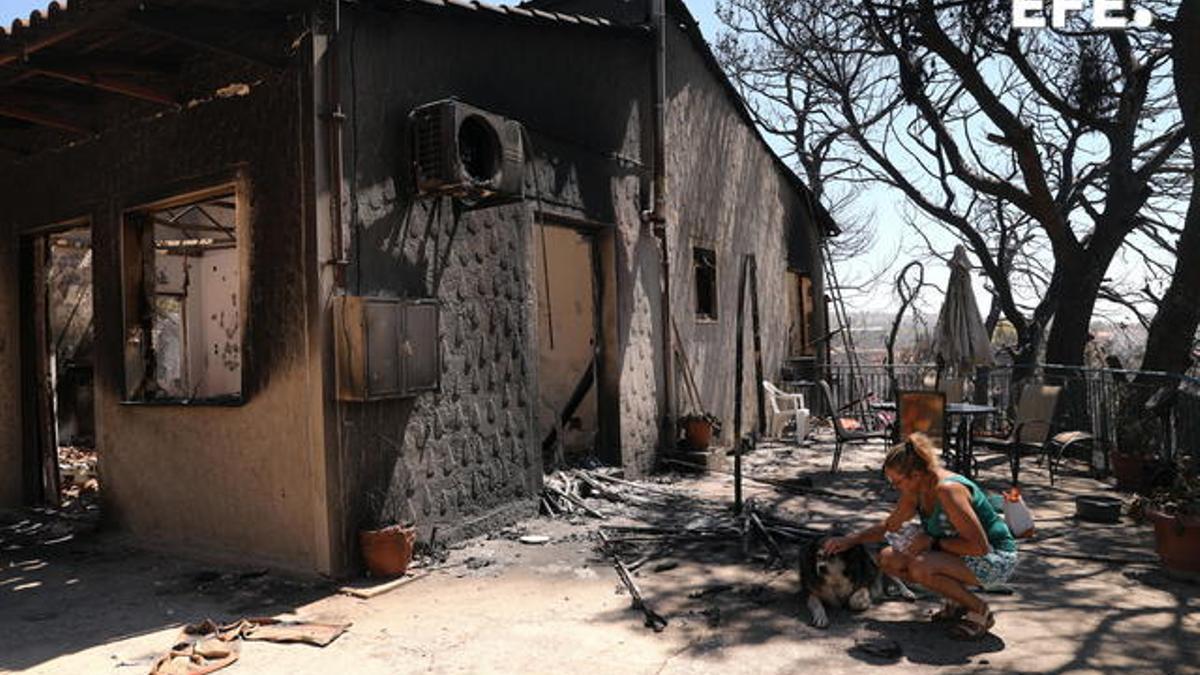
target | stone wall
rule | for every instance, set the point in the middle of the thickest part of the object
(581, 96)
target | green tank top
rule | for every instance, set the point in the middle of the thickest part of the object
(937, 523)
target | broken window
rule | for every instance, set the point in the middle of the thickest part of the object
(183, 323)
(704, 265)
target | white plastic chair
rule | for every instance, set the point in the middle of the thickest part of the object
(782, 407)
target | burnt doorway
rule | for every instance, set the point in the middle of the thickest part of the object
(570, 282)
(58, 349)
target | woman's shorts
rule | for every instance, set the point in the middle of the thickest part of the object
(992, 569)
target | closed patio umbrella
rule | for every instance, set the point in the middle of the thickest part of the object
(961, 341)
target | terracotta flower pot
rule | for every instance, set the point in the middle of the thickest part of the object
(1177, 540)
(1129, 470)
(388, 551)
(698, 433)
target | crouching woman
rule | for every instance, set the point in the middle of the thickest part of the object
(963, 541)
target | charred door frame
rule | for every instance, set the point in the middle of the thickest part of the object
(39, 433)
(602, 239)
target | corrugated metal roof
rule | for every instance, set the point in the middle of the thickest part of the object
(55, 11)
(516, 12)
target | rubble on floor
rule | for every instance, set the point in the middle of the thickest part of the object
(80, 483)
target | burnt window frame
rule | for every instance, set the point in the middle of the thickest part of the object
(699, 252)
(132, 274)
(806, 322)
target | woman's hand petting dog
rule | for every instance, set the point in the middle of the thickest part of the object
(835, 545)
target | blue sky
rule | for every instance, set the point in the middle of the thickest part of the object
(11, 9)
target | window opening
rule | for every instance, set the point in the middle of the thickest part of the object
(183, 323)
(704, 264)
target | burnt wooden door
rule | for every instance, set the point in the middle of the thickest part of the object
(41, 477)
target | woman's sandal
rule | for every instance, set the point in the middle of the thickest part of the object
(973, 626)
(949, 612)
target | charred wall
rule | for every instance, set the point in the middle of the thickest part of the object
(456, 458)
(11, 465)
(222, 478)
(728, 193)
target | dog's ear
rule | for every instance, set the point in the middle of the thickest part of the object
(808, 559)
(858, 565)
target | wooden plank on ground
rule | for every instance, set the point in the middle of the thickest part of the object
(367, 592)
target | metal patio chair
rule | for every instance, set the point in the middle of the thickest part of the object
(1030, 429)
(841, 434)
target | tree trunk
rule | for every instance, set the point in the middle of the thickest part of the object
(1025, 359)
(993, 317)
(1172, 332)
(1070, 332)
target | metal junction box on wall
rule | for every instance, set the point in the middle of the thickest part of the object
(386, 347)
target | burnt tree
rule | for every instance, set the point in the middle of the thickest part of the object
(1013, 140)
(1173, 330)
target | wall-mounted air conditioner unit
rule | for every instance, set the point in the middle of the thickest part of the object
(462, 151)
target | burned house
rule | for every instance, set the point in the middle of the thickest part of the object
(379, 259)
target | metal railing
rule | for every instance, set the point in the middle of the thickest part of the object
(1149, 413)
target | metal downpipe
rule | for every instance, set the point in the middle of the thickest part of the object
(657, 215)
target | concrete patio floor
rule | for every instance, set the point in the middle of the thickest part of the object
(93, 604)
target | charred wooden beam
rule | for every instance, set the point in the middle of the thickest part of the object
(188, 227)
(14, 150)
(13, 55)
(17, 78)
(108, 40)
(56, 101)
(109, 84)
(653, 620)
(158, 45)
(105, 65)
(217, 31)
(41, 119)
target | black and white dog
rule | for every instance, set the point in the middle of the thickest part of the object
(848, 579)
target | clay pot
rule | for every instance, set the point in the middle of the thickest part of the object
(1129, 470)
(1177, 540)
(698, 433)
(388, 551)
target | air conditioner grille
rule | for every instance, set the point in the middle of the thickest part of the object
(430, 130)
